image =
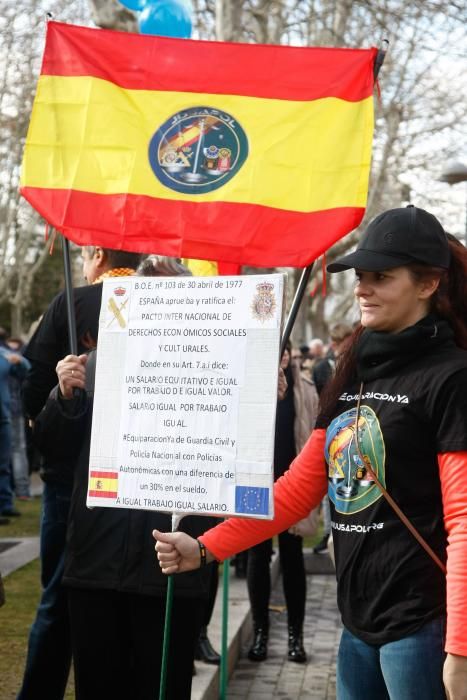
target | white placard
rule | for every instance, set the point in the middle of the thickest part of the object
(185, 394)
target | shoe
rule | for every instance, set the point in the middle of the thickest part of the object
(204, 650)
(322, 546)
(10, 513)
(296, 651)
(4, 521)
(259, 649)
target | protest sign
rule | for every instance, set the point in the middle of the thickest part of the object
(185, 394)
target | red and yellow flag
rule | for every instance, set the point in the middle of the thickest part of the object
(103, 484)
(248, 154)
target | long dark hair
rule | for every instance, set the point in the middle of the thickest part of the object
(449, 301)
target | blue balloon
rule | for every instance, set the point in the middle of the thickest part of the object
(135, 5)
(166, 18)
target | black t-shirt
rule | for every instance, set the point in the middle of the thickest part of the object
(388, 586)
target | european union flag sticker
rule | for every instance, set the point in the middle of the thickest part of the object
(252, 500)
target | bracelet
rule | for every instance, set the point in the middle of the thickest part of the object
(202, 554)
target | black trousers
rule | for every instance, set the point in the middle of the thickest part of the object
(293, 579)
(212, 593)
(117, 641)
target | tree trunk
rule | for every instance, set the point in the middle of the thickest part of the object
(16, 320)
(228, 20)
(319, 325)
(109, 14)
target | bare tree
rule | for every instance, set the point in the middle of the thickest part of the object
(110, 14)
(20, 252)
(421, 108)
(419, 116)
(22, 247)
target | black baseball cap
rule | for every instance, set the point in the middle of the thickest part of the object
(398, 237)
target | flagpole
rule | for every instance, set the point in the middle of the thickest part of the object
(70, 306)
(176, 518)
(306, 272)
(380, 56)
(224, 669)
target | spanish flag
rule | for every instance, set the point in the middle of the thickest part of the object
(244, 153)
(103, 484)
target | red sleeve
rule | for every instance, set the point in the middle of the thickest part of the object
(453, 475)
(299, 490)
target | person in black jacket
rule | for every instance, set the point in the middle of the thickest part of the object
(116, 593)
(49, 647)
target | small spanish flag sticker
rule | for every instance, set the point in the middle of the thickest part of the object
(103, 484)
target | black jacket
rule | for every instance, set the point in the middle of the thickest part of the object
(109, 548)
(48, 345)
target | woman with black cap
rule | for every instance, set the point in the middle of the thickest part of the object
(390, 447)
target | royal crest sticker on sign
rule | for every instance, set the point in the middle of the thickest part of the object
(185, 395)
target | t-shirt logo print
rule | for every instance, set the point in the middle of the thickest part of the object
(198, 150)
(350, 487)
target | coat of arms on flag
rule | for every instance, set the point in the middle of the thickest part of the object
(198, 150)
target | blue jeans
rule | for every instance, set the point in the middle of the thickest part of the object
(49, 648)
(409, 669)
(6, 493)
(19, 457)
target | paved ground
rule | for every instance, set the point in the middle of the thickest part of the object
(278, 678)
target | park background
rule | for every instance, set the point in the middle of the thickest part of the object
(421, 125)
(420, 130)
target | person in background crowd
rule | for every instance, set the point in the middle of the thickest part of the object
(323, 369)
(116, 595)
(340, 336)
(314, 354)
(12, 365)
(295, 418)
(316, 349)
(19, 456)
(392, 426)
(300, 353)
(49, 646)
